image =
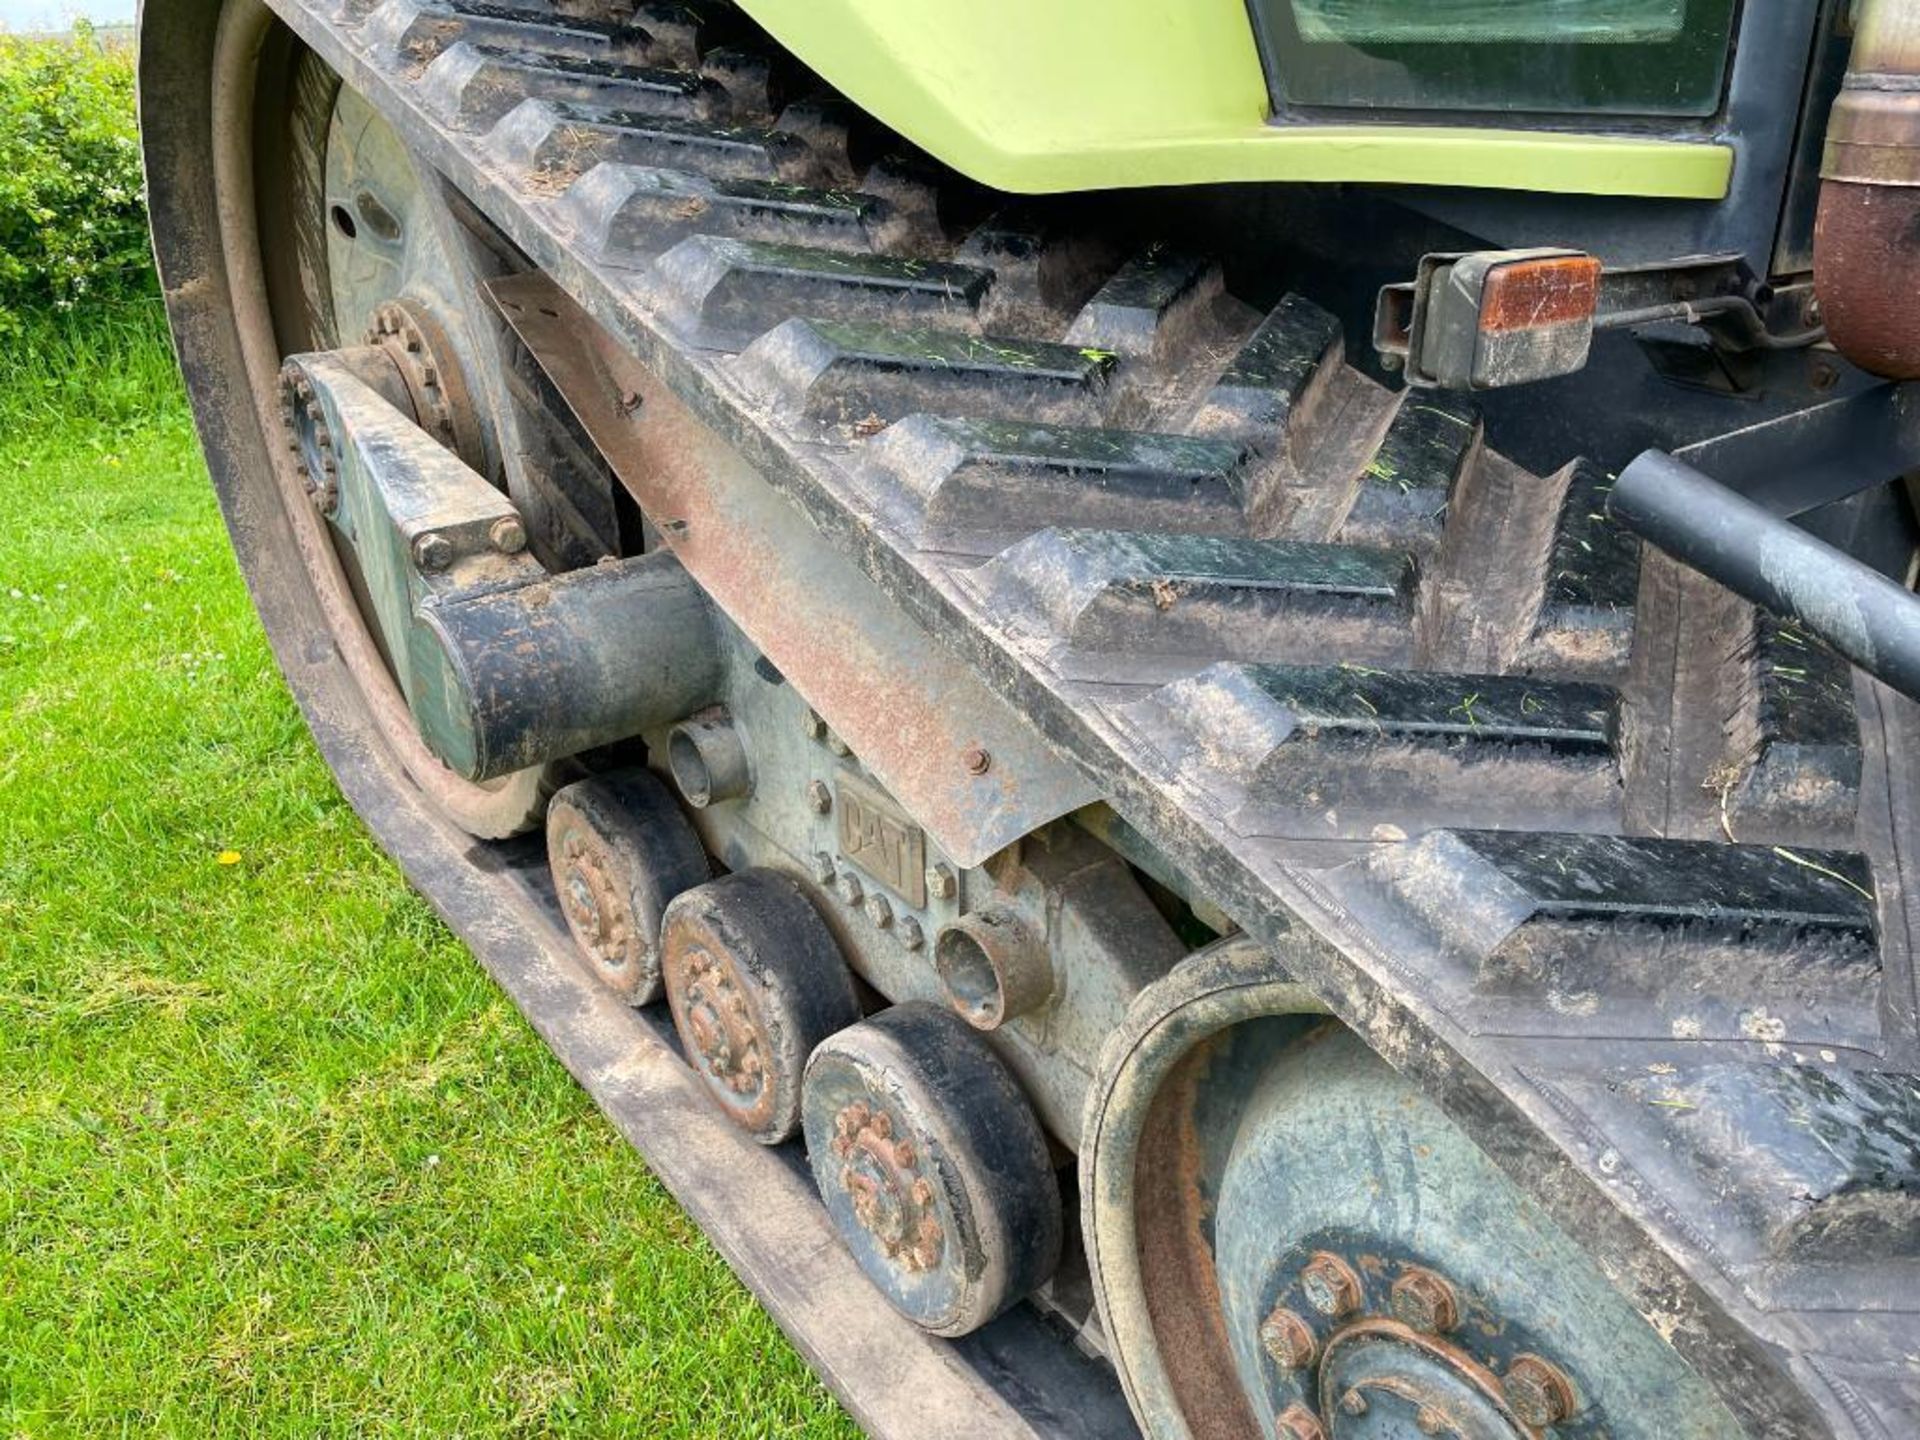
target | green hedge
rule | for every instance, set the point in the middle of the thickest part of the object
(73, 228)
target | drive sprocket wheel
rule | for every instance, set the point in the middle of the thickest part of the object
(1344, 1264)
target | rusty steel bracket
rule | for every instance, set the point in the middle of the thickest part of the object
(952, 753)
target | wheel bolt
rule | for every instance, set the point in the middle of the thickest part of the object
(879, 911)
(433, 552)
(1424, 1301)
(819, 797)
(508, 535)
(1330, 1285)
(850, 888)
(1538, 1392)
(1429, 1421)
(1353, 1402)
(909, 933)
(816, 728)
(1297, 1422)
(941, 883)
(1288, 1339)
(823, 868)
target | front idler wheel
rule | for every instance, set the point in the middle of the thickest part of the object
(933, 1166)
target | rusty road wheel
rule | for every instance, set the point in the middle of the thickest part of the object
(755, 980)
(620, 851)
(933, 1166)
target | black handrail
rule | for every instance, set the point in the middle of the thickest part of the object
(1862, 614)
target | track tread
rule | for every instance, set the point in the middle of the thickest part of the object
(968, 475)
(742, 288)
(991, 368)
(1338, 751)
(856, 374)
(475, 85)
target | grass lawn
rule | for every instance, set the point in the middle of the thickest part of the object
(275, 1157)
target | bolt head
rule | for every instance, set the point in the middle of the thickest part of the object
(1288, 1339)
(1297, 1422)
(1330, 1286)
(1429, 1421)
(432, 552)
(1538, 1392)
(977, 761)
(909, 933)
(508, 535)
(942, 884)
(850, 887)
(816, 728)
(823, 867)
(1353, 1402)
(819, 797)
(837, 745)
(1424, 1301)
(879, 911)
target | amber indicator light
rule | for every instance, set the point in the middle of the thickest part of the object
(1535, 294)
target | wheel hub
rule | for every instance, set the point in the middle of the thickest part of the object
(591, 900)
(720, 1026)
(1379, 1381)
(1376, 1362)
(892, 1199)
(414, 342)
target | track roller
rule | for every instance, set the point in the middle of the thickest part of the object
(620, 851)
(933, 1166)
(755, 980)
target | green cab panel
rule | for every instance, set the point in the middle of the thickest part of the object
(1038, 96)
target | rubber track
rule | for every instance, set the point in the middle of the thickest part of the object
(1601, 853)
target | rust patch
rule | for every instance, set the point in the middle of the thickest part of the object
(1866, 250)
(1176, 1263)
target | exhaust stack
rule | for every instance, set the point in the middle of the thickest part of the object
(1867, 238)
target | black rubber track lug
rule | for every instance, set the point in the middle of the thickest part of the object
(852, 375)
(982, 484)
(474, 86)
(1345, 751)
(741, 288)
(632, 214)
(1198, 598)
